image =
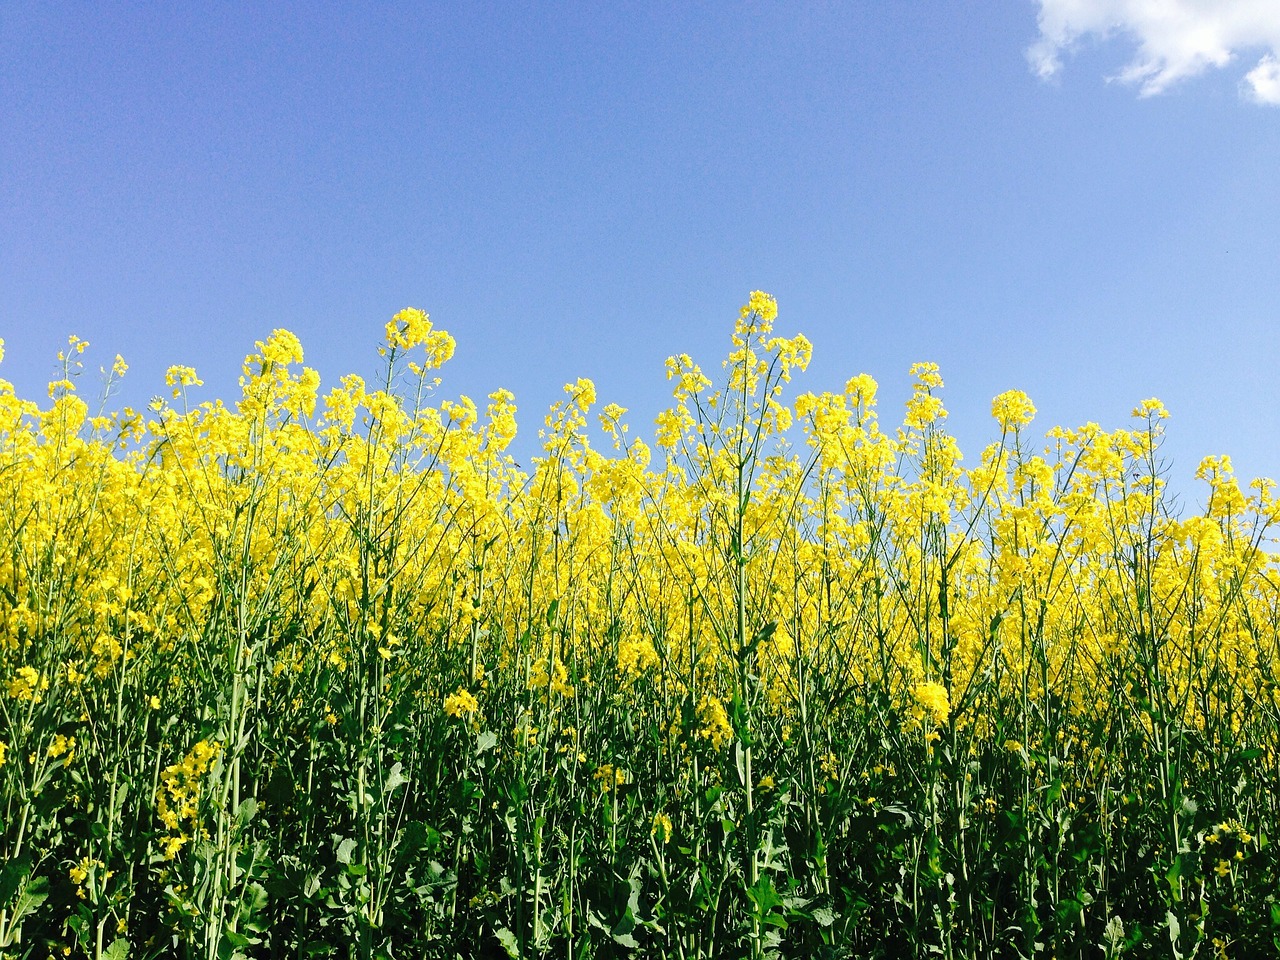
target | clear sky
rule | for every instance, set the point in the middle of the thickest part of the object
(1078, 198)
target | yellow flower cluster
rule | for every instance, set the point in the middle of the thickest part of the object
(181, 376)
(550, 681)
(609, 777)
(932, 703)
(412, 328)
(713, 722)
(179, 794)
(461, 703)
(87, 870)
(27, 684)
(636, 655)
(1012, 409)
(1228, 829)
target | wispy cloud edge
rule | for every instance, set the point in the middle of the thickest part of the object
(1176, 40)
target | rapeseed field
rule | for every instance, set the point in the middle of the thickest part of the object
(328, 674)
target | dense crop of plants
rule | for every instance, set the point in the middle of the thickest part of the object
(330, 675)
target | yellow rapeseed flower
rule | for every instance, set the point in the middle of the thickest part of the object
(933, 702)
(662, 828)
(636, 655)
(27, 684)
(1150, 408)
(609, 777)
(760, 306)
(1012, 409)
(179, 376)
(460, 703)
(408, 328)
(172, 844)
(713, 722)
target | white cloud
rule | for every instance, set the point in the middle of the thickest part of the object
(1176, 39)
(1262, 83)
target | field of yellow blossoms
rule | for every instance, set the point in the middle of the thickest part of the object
(327, 674)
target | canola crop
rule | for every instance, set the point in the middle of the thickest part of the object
(330, 674)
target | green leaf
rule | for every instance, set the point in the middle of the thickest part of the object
(248, 810)
(395, 778)
(12, 876)
(624, 926)
(236, 939)
(1175, 929)
(633, 898)
(764, 896)
(119, 950)
(486, 741)
(231, 947)
(897, 811)
(1173, 876)
(29, 898)
(345, 849)
(1053, 791)
(508, 941)
(252, 903)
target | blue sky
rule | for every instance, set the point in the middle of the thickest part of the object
(1071, 197)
